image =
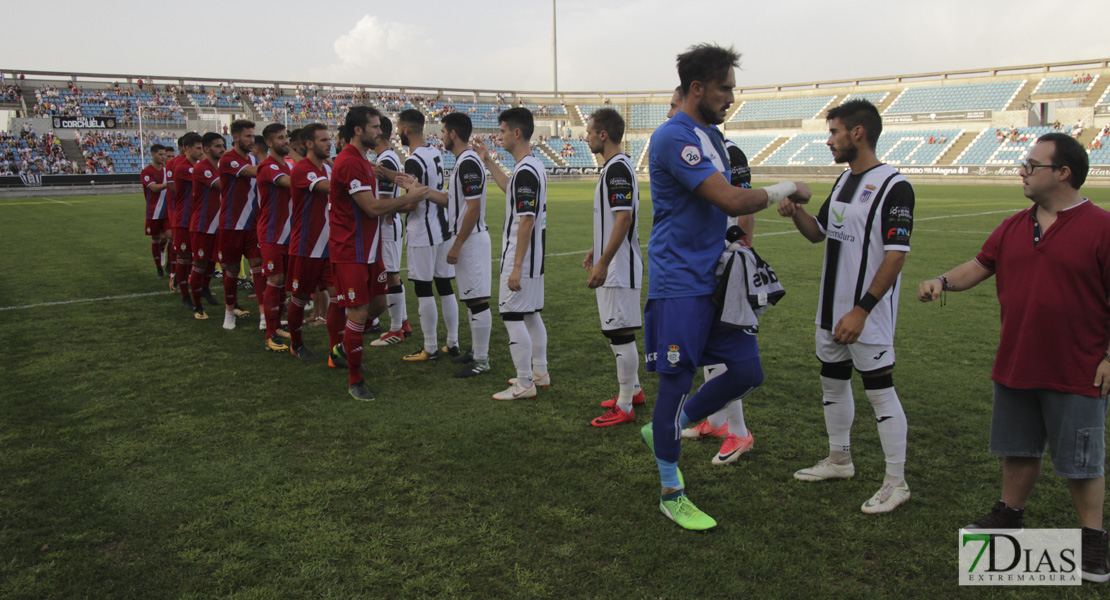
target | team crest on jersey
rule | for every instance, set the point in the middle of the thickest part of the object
(270, 266)
(691, 155)
(673, 355)
(350, 293)
(235, 164)
(296, 285)
(220, 255)
(147, 178)
(207, 173)
(866, 195)
(148, 230)
(200, 252)
(183, 246)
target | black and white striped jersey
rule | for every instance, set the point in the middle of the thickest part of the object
(617, 191)
(526, 194)
(865, 215)
(391, 227)
(468, 181)
(426, 225)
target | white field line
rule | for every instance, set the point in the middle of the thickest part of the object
(58, 201)
(143, 295)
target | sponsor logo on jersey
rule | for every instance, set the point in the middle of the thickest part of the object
(897, 232)
(901, 212)
(865, 197)
(838, 218)
(382, 277)
(691, 155)
(312, 176)
(207, 173)
(275, 167)
(235, 164)
(147, 177)
(673, 355)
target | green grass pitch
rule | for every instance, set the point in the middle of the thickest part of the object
(144, 454)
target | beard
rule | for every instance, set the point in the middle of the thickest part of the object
(847, 156)
(709, 115)
(404, 140)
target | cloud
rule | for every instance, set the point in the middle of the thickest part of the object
(369, 53)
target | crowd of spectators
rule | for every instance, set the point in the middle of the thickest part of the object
(1012, 134)
(10, 93)
(1082, 78)
(121, 102)
(26, 151)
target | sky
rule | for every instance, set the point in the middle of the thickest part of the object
(618, 45)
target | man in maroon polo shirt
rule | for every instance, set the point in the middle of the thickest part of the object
(1052, 371)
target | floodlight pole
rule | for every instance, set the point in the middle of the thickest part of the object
(142, 142)
(554, 52)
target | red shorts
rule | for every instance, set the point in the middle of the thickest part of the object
(356, 283)
(155, 226)
(306, 275)
(181, 240)
(274, 257)
(234, 244)
(203, 245)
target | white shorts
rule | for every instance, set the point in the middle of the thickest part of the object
(619, 308)
(528, 300)
(391, 256)
(864, 357)
(475, 267)
(428, 262)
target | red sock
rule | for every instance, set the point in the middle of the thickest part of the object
(156, 250)
(335, 322)
(184, 266)
(282, 306)
(258, 279)
(231, 288)
(296, 320)
(208, 272)
(352, 344)
(270, 298)
(196, 282)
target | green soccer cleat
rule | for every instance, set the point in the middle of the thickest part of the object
(682, 511)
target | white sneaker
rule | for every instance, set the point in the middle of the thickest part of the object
(826, 469)
(542, 380)
(886, 499)
(516, 392)
(229, 320)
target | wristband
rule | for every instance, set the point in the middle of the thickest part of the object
(775, 193)
(944, 285)
(867, 302)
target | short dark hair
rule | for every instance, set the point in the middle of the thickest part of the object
(386, 125)
(210, 137)
(518, 118)
(308, 132)
(241, 124)
(345, 134)
(859, 112)
(295, 135)
(181, 140)
(459, 123)
(156, 147)
(191, 139)
(260, 141)
(271, 130)
(359, 116)
(705, 63)
(412, 118)
(1068, 152)
(610, 121)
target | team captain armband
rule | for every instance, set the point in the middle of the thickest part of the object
(783, 189)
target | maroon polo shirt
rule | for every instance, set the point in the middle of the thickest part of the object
(1053, 293)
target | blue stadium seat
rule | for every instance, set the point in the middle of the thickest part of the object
(965, 96)
(1063, 85)
(987, 150)
(782, 108)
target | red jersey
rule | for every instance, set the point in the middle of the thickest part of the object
(155, 201)
(237, 203)
(354, 235)
(273, 202)
(1052, 288)
(181, 214)
(309, 223)
(206, 199)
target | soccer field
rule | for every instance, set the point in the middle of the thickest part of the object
(144, 454)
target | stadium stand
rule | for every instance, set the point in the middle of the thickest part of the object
(875, 98)
(804, 149)
(782, 108)
(915, 147)
(995, 95)
(647, 116)
(27, 151)
(1100, 147)
(117, 152)
(159, 108)
(214, 100)
(1105, 99)
(752, 144)
(585, 110)
(1065, 85)
(636, 148)
(1001, 147)
(575, 152)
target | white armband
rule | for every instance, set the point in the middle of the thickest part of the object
(783, 189)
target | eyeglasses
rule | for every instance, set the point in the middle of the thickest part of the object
(1028, 167)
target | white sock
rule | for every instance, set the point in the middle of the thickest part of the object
(481, 325)
(538, 333)
(719, 418)
(520, 348)
(840, 411)
(451, 318)
(628, 376)
(396, 307)
(893, 430)
(429, 321)
(734, 411)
